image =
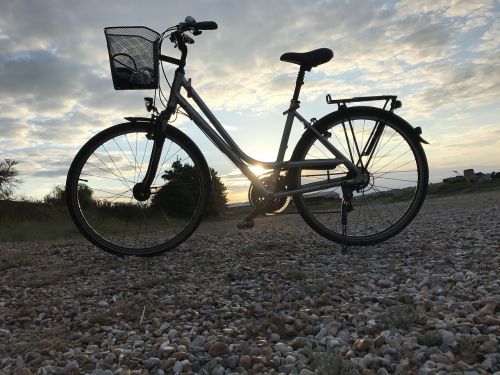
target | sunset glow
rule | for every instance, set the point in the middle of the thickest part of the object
(440, 57)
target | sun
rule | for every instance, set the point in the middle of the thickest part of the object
(258, 170)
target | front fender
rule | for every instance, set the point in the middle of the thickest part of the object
(138, 119)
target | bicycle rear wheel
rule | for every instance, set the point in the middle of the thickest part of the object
(395, 176)
(100, 182)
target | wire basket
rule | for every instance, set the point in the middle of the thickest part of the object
(133, 57)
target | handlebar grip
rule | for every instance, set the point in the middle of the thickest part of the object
(205, 25)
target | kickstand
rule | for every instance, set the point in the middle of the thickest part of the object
(345, 207)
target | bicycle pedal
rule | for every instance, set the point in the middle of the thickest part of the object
(245, 224)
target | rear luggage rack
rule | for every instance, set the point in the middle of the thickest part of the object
(395, 104)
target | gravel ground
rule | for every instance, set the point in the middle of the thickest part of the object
(275, 299)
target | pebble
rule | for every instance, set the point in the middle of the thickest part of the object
(425, 302)
(218, 349)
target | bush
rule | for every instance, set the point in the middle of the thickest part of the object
(179, 196)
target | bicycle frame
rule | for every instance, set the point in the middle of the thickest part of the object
(223, 141)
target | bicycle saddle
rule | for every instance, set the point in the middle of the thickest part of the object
(308, 60)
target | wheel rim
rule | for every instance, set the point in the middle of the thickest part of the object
(104, 190)
(392, 181)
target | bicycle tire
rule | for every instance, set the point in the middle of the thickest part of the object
(110, 164)
(389, 201)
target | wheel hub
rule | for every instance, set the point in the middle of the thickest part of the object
(366, 181)
(140, 192)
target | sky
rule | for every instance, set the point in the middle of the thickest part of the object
(442, 59)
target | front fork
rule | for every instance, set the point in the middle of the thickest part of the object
(142, 190)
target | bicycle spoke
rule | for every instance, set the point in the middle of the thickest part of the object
(119, 178)
(134, 155)
(113, 215)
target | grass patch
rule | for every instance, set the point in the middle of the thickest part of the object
(332, 362)
(26, 231)
(32, 221)
(466, 345)
(313, 287)
(462, 187)
(295, 275)
(430, 338)
(128, 310)
(15, 260)
(400, 316)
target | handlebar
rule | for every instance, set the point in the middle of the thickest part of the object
(205, 25)
(191, 25)
(180, 39)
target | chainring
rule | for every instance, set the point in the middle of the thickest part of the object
(256, 197)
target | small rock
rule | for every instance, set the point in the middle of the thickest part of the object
(439, 358)
(218, 370)
(379, 341)
(172, 333)
(275, 337)
(367, 360)
(177, 367)
(218, 349)
(488, 309)
(298, 342)
(232, 362)
(152, 362)
(198, 341)
(332, 328)
(245, 361)
(362, 345)
(283, 348)
(350, 354)
(179, 355)
(166, 350)
(448, 337)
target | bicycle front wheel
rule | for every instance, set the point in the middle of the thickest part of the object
(100, 182)
(395, 175)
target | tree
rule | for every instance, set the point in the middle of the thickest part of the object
(218, 197)
(57, 195)
(179, 196)
(8, 180)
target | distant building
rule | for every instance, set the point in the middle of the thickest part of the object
(453, 179)
(469, 175)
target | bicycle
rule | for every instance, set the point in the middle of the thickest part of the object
(357, 176)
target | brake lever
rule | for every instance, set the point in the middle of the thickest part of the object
(173, 40)
(188, 39)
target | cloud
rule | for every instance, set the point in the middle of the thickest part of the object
(472, 85)
(447, 8)
(52, 174)
(467, 147)
(56, 89)
(490, 40)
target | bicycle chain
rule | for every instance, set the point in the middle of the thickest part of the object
(323, 174)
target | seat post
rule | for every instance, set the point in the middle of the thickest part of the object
(299, 83)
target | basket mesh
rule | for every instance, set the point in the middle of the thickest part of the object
(133, 57)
